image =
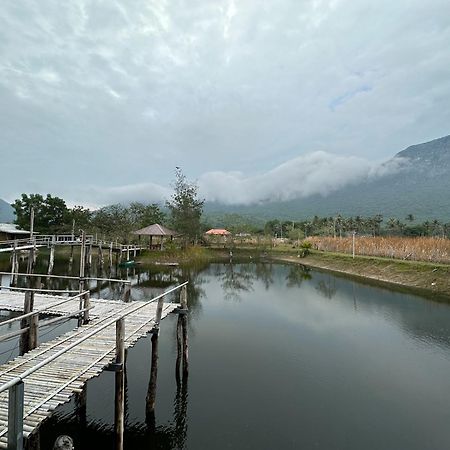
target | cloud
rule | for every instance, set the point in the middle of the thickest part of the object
(141, 192)
(121, 92)
(315, 173)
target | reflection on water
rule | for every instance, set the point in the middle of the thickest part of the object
(275, 364)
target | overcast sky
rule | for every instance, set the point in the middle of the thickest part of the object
(100, 100)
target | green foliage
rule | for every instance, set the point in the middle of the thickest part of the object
(113, 221)
(51, 213)
(363, 226)
(145, 215)
(185, 208)
(305, 249)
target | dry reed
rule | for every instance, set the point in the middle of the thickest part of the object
(417, 249)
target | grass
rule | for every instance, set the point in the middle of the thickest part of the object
(431, 279)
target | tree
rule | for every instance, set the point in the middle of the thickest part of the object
(80, 217)
(51, 214)
(185, 208)
(144, 215)
(113, 222)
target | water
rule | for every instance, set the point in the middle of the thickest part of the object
(283, 358)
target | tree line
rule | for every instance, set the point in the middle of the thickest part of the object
(375, 225)
(338, 225)
(182, 212)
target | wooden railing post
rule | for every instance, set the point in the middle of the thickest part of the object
(119, 410)
(15, 416)
(82, 260)
(33, 332)
(87, 305)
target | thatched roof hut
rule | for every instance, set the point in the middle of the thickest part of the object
(156, 230)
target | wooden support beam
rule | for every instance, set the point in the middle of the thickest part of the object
(87, 306)
(33, 333)
(15, 416)
(51, 261)
(119, 410)
(185, 347)
(82, 260)
(150, 400)
(100, 256)
(179, 352)
(159, 309)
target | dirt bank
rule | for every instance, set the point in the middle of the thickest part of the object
(432, 280)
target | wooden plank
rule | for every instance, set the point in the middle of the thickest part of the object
(56, 382)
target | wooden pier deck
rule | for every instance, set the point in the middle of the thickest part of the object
(57, 381)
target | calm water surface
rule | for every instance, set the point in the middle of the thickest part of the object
(280, 358)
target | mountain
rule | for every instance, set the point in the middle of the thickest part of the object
(421, 187)
(6, 212)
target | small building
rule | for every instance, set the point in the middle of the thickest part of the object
(158, 231)
(10, 232)
(218, 232)
(217, 236)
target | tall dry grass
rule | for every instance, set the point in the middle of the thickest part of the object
(417, 249)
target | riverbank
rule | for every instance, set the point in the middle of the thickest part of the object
(429, 279)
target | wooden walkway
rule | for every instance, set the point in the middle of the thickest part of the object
(56, 382)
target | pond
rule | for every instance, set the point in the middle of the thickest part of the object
(281, 357)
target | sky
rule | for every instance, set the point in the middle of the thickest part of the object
(253, 99)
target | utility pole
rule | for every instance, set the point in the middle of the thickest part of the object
(353, 243)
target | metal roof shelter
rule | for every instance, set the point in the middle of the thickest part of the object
(9, 231)
(218, 232)
(156, 230)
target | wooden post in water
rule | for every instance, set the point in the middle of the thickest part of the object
(71, 257)
(150, 400)
(86, 306)
(51, 261)
(80, 408)
(182, 339)
(15, 416)
(33, 332)
(88, 250)
(119, 411)
(126, 292)
(179, 351)
(110, 256)
(100, 256)
(82, 261)
(24, 341)
(14, 265)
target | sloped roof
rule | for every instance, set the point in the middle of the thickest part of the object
(218, 232)
(155, 230)
(10, 228)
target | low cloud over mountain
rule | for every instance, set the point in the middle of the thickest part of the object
(316, 173)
